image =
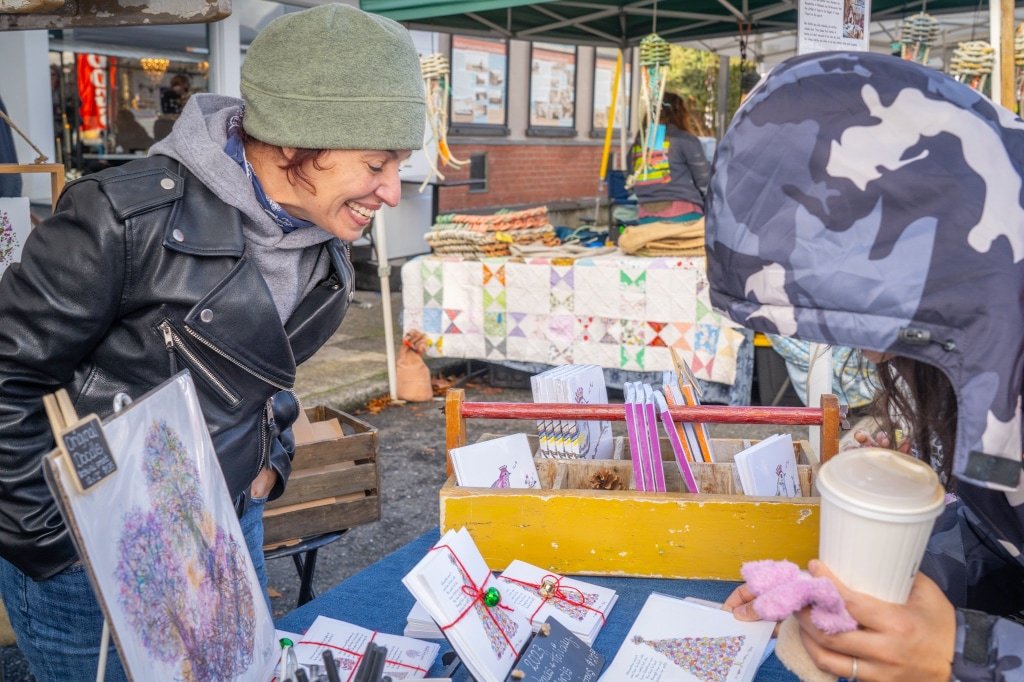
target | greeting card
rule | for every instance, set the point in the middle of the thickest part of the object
(580, 606)
(673, 640)
(407, 658)
(505, 462)
(455, 586)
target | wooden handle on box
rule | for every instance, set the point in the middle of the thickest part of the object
(457, 410)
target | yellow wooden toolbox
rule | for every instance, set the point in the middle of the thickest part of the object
(567, 527)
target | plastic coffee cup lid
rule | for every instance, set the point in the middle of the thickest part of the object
(881, 481)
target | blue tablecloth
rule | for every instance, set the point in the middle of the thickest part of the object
(375, 598)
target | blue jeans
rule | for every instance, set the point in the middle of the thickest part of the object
(59, 623)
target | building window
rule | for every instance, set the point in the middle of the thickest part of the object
(478, 172)
(552, 90)
(479, 86)
(604, 74)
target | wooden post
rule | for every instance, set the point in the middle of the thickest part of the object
(828, 446)
(454, 424)
(1007, 65)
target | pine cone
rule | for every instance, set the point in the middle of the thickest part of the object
(605, 479)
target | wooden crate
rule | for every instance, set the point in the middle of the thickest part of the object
(567, 527)
(335, 483)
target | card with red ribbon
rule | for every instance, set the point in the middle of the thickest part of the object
(406, 658)
(455, 586)
(582, 607)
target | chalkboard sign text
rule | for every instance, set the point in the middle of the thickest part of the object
(89, 452)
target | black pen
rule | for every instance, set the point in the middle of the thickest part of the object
(332, 667)
(300, 676)
(364, 673)
(377, 669)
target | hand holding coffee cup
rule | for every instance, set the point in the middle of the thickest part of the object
(877, 511)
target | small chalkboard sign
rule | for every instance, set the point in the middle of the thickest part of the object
(556, 655)
(88, 452)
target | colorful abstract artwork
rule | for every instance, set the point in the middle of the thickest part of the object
(175, 551)
(15, 223)
(707, 658)
(162, 543)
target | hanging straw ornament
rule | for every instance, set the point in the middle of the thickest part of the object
(972, 63)
(655, 55)
(917, 34)
(435, 71)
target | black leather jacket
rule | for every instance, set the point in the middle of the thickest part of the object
(142, 272)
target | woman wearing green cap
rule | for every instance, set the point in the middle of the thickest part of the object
(226, 253)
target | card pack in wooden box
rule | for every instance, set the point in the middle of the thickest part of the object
(571, 525)
(335, 480)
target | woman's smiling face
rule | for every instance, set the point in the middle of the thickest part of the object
(346, 188)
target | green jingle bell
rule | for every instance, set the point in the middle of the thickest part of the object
(492, 597)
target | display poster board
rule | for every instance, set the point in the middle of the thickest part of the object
(552, 86)
(604, 73)
(163, 548)
(479, 79)
(15, 223)
(825, 25)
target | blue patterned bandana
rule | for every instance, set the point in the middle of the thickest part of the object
(236, 150)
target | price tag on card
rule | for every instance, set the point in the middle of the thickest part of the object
(88, 452)
(554, 653)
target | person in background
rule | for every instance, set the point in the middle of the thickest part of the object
(225, 252)
(880, 231)
(10, 183)
(672, 186)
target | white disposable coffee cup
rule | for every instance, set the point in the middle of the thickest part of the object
(877, 512)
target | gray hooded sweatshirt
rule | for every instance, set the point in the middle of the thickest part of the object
(290, 263)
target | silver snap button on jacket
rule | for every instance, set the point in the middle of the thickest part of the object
(167, 183)
(178, 235)
(206, 315)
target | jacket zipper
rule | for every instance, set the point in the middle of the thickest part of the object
(209, 344)
(172, 341)
(268, 418)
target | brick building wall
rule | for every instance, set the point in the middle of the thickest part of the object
(525, 174)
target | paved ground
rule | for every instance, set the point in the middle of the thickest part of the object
(346, 374)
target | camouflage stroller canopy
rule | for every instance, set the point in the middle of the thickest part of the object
(867, 201)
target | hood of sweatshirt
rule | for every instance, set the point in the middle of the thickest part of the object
(867, 201)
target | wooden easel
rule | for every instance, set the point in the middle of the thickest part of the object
(56, 171)
(39, 165)
(62, 414)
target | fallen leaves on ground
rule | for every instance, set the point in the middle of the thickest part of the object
(378, 404)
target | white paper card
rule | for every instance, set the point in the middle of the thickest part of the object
(673, 640)
(505, 462)
(407, 658)
(15, 224)
(580, 606)
(449, 582)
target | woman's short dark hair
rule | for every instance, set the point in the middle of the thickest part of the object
(294, 166)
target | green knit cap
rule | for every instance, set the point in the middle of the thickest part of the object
(334, 77)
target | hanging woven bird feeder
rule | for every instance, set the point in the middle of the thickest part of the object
(435, 71)
(655, 55)
(917, 34)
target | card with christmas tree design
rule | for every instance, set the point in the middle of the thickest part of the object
(673, 640)
(580, 606)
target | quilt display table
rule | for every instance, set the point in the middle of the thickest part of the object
(623, 313)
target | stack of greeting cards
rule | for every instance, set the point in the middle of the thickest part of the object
(407, 658)
(768, 468)
(505, 462)
(580, 606)
(677, 640)
(576, 439)
(537, 594)
(454, 585)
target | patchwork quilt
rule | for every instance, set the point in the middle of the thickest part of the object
(620, 312)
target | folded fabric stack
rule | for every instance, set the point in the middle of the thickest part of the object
(490, 235)
(664, 239)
